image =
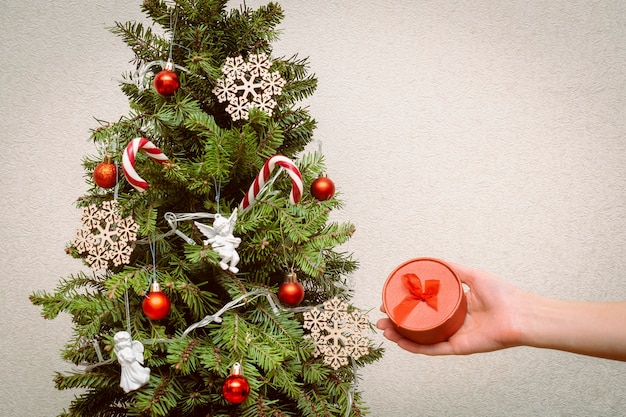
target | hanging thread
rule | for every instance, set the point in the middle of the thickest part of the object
(127, 307)
(173, 26)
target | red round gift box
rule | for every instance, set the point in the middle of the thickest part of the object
(424, 298)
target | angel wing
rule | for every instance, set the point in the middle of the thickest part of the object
(233, 219)
(207, 231)
(138, 350)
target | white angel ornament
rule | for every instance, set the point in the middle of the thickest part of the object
(130, 356)
(222, 240)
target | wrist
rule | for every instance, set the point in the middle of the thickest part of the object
(533, 317)
(522, 319)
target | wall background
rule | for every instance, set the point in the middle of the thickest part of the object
(484, 132)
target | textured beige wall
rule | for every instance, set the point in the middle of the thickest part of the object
(489, 133)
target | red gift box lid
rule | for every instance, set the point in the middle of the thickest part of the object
(424, 298)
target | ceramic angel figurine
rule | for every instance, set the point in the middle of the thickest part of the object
(130, 355)
(222, 240)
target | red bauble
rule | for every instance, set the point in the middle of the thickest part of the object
(236, 388)
(291, 291)
(323, 188)
(156, 305)
(105, 174)
(166, 82)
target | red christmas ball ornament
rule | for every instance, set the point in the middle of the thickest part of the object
(291, 291)
(156, 305)
(166, 82)
(236, 388)
(323, 188)
(105, 173)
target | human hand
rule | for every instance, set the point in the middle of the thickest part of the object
(492, 321)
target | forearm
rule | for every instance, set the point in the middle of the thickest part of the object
(589, 328)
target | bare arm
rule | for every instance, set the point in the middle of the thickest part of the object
(501, 316)
(588, 328)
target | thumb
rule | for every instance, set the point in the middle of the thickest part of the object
(466, 274)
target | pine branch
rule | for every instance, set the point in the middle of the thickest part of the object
(145, 45)
(62, 299)
(182, 354)
(99, 403)
(161, 397)
(91, 380)
(269, 133)
(297, 126)
(250, 30)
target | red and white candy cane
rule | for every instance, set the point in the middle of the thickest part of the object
(264, 174)
(128, 161)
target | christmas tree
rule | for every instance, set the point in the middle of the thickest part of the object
(215, 286)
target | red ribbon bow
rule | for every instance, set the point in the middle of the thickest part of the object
(412, 283)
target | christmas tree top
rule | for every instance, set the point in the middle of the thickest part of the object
(216, 286)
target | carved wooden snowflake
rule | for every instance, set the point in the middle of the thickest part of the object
(106, 237)
(337, 332)
(246, 84)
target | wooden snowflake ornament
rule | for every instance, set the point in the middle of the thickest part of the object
(337, 332)
(106, 237)
(246, 84)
